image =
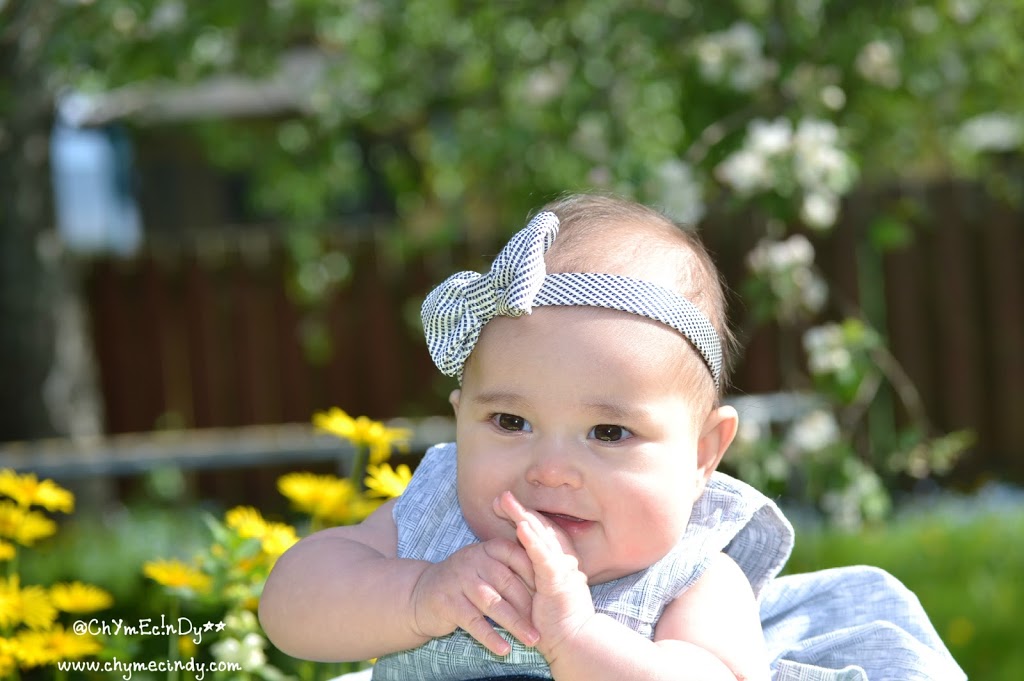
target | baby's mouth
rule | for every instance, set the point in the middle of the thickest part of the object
(570, 524)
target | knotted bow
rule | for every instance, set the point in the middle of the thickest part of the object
(455, 312)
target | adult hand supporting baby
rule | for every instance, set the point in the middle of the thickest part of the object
(562, 603)
(480, 581)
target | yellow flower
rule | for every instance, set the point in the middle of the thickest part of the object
(24, 526)
(322, 496)
(30, 605)
(10, 602)
(278, 538)
(383, 481)
(7, 552)
(27, 490)
(8, 661)
(363, 432)
(30, 650)
(176, 575)
(36, 648)
(79, 598)
(247, 521)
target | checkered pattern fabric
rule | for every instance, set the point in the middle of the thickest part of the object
(455, 312)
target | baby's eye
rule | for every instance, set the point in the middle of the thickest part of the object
(609, 433)
(512, 423)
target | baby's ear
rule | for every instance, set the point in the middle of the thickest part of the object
(716, 435)
(453, 399)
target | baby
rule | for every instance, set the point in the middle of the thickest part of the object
(576, 528)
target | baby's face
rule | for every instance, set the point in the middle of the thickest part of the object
(580, 413)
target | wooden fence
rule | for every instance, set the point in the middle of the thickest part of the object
(197, 336)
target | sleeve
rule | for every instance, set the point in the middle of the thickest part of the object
(851, 624)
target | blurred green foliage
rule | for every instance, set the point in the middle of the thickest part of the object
(483, 110)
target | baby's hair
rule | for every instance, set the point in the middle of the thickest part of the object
(602, 233)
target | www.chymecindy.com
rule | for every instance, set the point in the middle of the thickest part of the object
(126, 669)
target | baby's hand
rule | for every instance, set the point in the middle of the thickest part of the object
(480, 581)
(562, 603)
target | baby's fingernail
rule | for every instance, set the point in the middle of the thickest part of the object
(531, 637)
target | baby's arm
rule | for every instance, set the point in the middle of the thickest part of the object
(343, 594)
(711, 633)
(720, 615)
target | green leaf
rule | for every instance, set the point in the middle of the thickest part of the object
(889, 234)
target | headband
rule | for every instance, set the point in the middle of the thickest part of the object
(455, 312)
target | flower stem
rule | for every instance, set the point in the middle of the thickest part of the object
(358, 473)
(172, 642)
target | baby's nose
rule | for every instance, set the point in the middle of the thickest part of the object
(554, 466)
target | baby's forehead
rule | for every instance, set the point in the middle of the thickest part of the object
(659, 254)
(575, 327)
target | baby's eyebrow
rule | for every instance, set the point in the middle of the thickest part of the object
(505, 398)
(617, 412)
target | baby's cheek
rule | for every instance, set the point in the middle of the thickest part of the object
(656, 531)
(485, 523)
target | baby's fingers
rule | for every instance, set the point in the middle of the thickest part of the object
(505, 614)
(511, 555)
(550, 563)
(516, 513)
(483, 631)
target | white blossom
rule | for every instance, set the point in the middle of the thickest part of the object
(545, 84)
(746, 171)
(248, 653)
(877, 63)
(167, 16)
(813, 290)
(826, 350)
(241, 621)
(833, 97)
(771, 256)
(678, 192)
(819, 209)
(813, 432)
(994, 131)
(773, 154)
(964, 11)
(823, 170)
(769, 138)
(735, 57)
(818, 159)
(787, 267)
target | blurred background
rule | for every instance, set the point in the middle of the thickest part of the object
(220, 218)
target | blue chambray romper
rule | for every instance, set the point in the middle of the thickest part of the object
(850, 624)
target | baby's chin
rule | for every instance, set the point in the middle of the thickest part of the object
(603, 571)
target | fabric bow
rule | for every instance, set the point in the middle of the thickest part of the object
(455, 312)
